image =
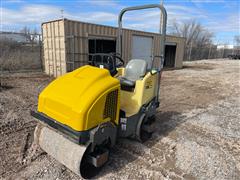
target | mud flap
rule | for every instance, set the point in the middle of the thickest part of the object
(149, 126)
(145, 128)
(99, 158)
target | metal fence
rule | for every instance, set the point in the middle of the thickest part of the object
(20, 52)
(208, 52)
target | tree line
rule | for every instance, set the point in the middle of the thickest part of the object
(199, 41)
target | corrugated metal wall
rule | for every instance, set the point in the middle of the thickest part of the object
(77, 35)
(54, 48)
(66, 44)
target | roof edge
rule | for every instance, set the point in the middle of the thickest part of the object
(83, 22)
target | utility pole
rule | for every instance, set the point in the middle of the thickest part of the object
(233, 49)
(161, 16)
(217, 55)
(62, 11)
(190, 52)
(224, 46)
(209, 51)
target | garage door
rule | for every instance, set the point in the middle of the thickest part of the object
(142, 48)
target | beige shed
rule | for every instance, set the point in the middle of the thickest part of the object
(67, 45)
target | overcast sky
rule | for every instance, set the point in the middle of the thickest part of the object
(220, 16)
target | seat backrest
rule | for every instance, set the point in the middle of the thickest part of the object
(135, 69)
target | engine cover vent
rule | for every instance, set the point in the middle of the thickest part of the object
(110, 109)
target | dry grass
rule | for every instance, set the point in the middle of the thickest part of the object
(16, 56)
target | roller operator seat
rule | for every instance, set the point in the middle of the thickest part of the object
(135, 70)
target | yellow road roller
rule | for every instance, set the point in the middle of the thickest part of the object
(84, 112)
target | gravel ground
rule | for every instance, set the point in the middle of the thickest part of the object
(197, 133)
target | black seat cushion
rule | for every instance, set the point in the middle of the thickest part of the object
(126, 84)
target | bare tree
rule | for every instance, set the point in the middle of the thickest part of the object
(35, 35)
(193, 31)
(26, 31)
(237, 39)
(196, 36)
(31, 35)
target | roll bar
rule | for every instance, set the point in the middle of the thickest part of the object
(162, 32)
(162, 29)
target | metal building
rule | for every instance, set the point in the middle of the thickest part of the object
(67, 45)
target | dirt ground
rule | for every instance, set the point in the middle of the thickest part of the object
(197, 137)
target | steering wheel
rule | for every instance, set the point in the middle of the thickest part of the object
(118, 60)
(107, 61)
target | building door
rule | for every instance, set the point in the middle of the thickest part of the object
(101, 46)
(170, 53)
(142, 48)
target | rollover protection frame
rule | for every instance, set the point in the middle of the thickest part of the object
(162, 33)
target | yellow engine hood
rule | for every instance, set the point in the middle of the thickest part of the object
(69, 98)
